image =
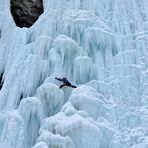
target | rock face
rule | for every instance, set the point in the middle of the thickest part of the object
(26, 12)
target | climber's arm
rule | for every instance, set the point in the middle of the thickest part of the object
(58, 79)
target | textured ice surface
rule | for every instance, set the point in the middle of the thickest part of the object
(101, 46)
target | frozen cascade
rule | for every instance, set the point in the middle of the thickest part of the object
(32, 119)
(101, 47)
(51, 97)
(84, 70)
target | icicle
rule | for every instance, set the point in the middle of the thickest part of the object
(51, 97)
(84, 70)
(32, 119)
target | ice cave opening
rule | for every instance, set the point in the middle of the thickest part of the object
(26, 12)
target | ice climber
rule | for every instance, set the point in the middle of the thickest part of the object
(66, 82)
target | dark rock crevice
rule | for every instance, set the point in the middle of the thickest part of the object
(26, 12)
(1, 80)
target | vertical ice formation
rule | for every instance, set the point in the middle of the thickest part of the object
(84, 70)
(51, 97)
(101, 47)
(12, 129)
(32, 119)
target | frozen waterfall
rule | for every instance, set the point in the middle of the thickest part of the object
(101, 46)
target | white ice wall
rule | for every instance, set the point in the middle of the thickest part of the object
(101, 46)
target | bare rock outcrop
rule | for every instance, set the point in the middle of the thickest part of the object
(26, 12)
